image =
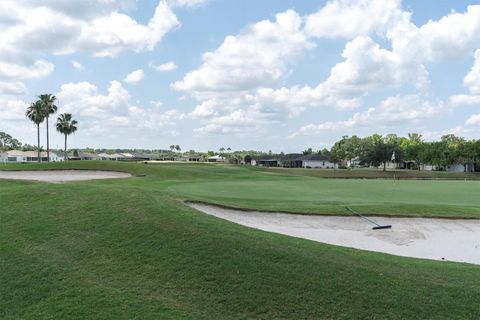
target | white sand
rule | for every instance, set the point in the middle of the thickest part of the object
(60, 176)
(436, 239)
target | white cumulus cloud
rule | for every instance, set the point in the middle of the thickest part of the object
(77, 66)
(258, 56)
(473, 120)
(352, 18)
(392, 113)
(135, 76)
(186, 3)
(165, 67)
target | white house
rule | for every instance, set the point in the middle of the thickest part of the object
(3, 157)
(316, 161)
(391, 165)
(458, 167)
(353, 163)
(88, 156)
(216, 158)
(106, 156)
(31, 156)
(428, 167)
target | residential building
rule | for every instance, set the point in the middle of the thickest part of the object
(216, 158)
(315, 161)
(31, 156)
(3, 157)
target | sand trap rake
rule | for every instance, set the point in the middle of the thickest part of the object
(376, 225)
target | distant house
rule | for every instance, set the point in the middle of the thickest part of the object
(193, 158)
(315, 161)
(106, 156)
(88, 156)
(288, 160)
(73, 158)
(428, 167)
(353, 163)
(216, 158)
(123, 156)
(3, 156)
(31, 156)
(143, 157)
(390, 165)
(189, 158)
(268, 161)
(456, 167)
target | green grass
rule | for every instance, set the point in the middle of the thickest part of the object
(327, 196)
(129, 249)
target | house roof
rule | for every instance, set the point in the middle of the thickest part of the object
(87, 155)
(313, 157)
(127, 155)
(33, 154)
(145, 156)
(111, 156)
(217, 157)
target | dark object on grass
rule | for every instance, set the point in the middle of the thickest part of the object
(376, 225)
(140, 175)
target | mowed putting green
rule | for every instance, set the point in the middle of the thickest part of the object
(130, 249)
(440, 198)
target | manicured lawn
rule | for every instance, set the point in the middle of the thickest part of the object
(328, 196)
(129, 249)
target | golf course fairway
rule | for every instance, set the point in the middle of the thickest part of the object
(130, 248)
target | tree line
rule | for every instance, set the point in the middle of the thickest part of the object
(40, 111)
(378, 150)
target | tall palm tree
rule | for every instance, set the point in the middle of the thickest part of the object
(67, 126)
(36, 115)
(49, 107)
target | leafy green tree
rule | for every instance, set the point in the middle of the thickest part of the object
(7, 142)
(67, 126)
(308, 151)
(413, 147)
(379, 149)
(36, 114)
(452, 145)
(466, 154)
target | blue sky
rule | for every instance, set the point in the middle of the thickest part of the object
(267, 75)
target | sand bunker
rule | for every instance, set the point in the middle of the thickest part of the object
(60, 176)
(436, 239)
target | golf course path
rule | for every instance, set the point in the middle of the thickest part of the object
(60, 176)
(436, 239)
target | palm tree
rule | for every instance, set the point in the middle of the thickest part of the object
(49, 107)
(36, 115)
(67, 126)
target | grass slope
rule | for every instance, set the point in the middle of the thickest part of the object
(128, 249)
